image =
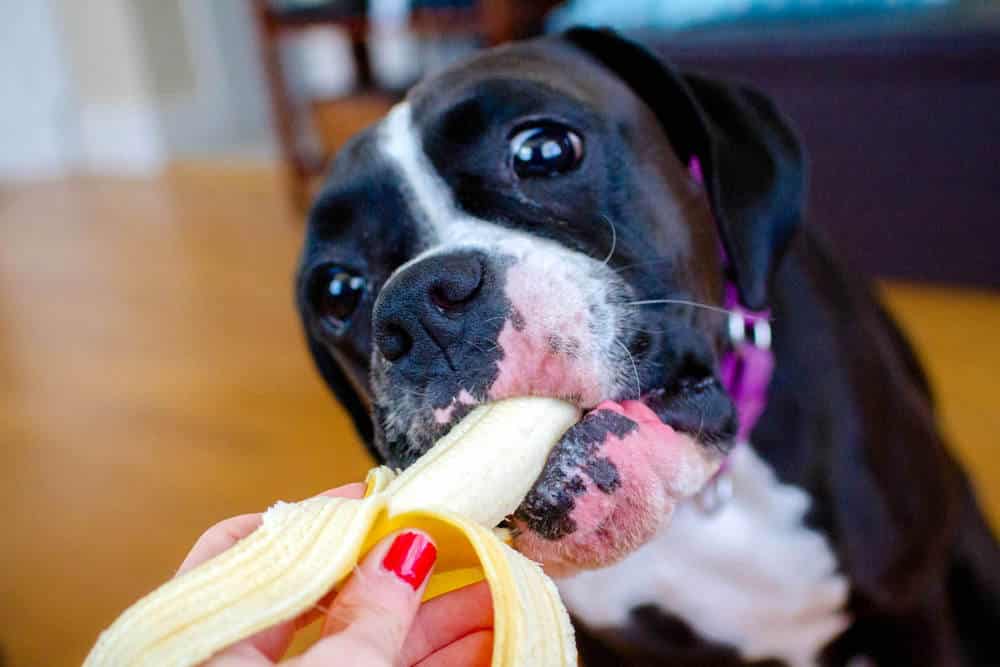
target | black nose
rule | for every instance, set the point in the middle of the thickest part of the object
(423, 311)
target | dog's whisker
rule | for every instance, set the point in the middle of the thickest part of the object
(635, 369)
(651, 262)
(639, 329)
(614, 239)
(489, 349)
(419, 394)
(475, 347)
(701, 425)
(693, 304)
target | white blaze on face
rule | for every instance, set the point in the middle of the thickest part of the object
(560, 339)
(430, 198)
(556, 344)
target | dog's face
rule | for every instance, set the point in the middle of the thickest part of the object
(512, 229)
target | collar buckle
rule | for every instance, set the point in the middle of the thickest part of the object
(748, 364)
(751, 330)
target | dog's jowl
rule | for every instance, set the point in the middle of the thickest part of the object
(572, 217)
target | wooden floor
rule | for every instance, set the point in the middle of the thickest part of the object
(153, 380)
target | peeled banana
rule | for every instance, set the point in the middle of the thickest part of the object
(457, 492)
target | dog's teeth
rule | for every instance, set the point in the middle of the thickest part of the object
(458, 491)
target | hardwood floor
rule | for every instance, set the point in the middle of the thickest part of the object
(153, 380)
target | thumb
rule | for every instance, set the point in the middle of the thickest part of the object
(370, 617)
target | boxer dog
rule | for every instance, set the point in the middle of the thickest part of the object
(567, 217)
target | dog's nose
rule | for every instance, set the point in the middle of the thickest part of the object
(421, 312)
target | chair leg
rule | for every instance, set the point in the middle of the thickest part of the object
(362, 63)
(282, 110)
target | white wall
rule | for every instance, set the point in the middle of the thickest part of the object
(116, 106)
(37, 130)
(122, 86)
(225, 109)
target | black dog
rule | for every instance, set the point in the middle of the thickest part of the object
(562, 217)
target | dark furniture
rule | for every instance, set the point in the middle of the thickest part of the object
(900, 115)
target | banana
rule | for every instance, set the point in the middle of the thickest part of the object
(458, 492)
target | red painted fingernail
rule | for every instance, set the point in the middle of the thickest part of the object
(410, 558)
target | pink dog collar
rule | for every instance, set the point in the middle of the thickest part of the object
(746, 369)
(748, 364)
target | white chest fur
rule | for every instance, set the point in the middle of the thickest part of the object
(751, 576)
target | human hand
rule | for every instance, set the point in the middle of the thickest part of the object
(376, 619)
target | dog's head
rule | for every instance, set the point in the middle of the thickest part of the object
(525, 223)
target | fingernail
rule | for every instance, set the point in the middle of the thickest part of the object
(410, 558)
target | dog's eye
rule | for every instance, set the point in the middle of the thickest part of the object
(335, 293)
(545, 150)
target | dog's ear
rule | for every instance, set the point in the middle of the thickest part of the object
(750, 159)
(342, 388)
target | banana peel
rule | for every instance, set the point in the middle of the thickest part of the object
(457, 492)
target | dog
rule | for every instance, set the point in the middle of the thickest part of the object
(573, 217)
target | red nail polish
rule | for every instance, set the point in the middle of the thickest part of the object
(410, 558)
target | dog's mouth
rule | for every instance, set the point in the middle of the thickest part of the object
(698, 408)
(617, 474)
(656, 420)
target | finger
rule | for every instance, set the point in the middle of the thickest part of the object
(241, 655)
(273, 642)
(371, 616)
(226, 533)
(353, 490)
(475, 650)
(447, 619)
(218, 538)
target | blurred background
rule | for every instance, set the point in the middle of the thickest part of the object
(156, 160)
